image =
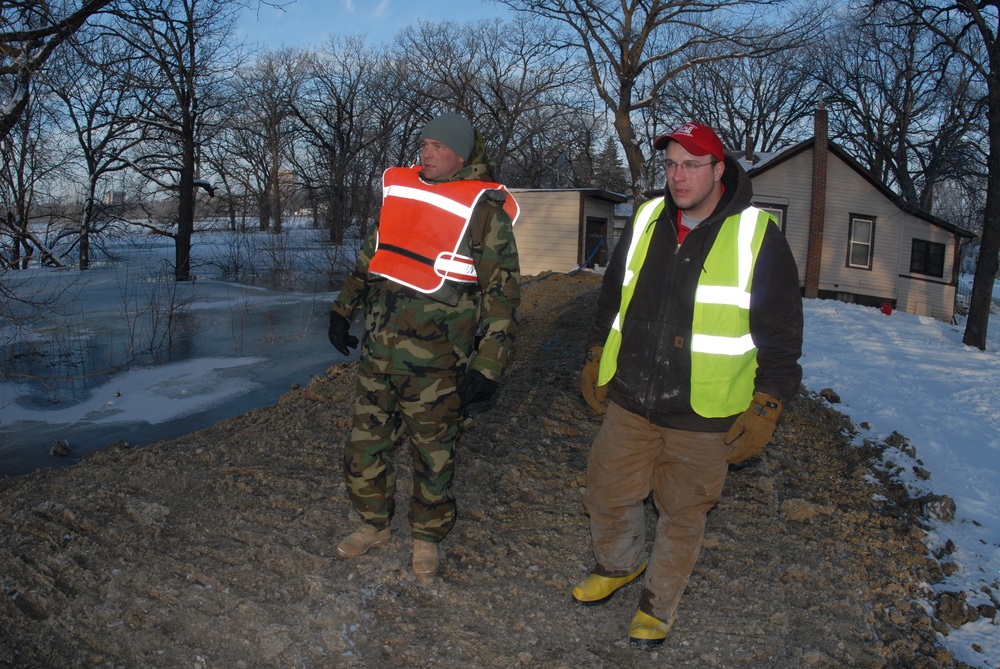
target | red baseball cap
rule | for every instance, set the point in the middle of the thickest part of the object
(698, 139)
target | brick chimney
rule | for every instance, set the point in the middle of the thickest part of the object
(817, 208)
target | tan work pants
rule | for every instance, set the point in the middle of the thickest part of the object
(685, 471)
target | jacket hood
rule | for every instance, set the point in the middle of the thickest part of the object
(479, 166)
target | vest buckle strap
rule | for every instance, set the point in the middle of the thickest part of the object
(455, 267)
(399, 250)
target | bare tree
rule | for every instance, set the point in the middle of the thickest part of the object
(907, 110)
(27, 160)
(281, 78)
(513, 89)
(968, 29)
(264, 129)
(633, 48)
(755, 104)
(556, 145)
(99, 111)
(240, 159)
(30, 32)
(187, 47)
(353, 105)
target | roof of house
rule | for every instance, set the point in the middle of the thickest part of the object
(768, 161)
(598, 193)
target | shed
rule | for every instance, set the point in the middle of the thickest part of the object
(561, 230)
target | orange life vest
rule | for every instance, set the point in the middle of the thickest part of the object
(422, 226)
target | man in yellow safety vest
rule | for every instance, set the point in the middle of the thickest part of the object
(695, 346)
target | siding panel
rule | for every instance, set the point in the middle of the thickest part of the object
(548, 231)
(790, 184)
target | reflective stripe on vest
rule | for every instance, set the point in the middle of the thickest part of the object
(723, 354)
(642, 230)
(723, 358)
(422, 227)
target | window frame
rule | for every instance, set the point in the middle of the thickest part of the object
(853, 243)
(778, 211)
(935, 251)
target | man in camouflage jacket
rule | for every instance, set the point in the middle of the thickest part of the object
(432, 344)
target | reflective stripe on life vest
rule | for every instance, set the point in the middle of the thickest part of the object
(642, 230)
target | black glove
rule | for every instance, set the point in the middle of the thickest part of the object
(340, 335)
(474, 387)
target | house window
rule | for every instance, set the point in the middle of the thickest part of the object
(861, 241)
(776, 210)
(927, 258)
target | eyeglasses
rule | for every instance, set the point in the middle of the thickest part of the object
(687, 166)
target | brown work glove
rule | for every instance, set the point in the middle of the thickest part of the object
(593, 393)
(754, 427)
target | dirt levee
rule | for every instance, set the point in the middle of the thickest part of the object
(217, 550)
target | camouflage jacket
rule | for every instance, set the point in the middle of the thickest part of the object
(407, 332)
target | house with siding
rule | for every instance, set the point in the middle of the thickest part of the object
(560, 230)
(854, 239)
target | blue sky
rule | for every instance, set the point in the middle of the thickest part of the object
(312, 22)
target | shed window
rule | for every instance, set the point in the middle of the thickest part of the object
(927, 258)
(861, 241)
(776, 210)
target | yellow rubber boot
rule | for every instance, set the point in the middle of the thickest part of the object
(596, 589)
(645, 631)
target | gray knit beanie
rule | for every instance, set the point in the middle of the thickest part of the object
(453, 131)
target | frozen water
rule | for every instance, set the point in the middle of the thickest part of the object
(129, 354)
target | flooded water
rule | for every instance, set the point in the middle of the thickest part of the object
(128, 354)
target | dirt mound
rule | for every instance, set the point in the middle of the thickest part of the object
(218, 549)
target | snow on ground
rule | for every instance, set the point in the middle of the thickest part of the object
(913, 375)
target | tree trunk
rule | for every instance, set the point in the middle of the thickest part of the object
(276, 186)
(634, 155)
(86, 224)
(185, 208)
(264, 212)
(989, 246)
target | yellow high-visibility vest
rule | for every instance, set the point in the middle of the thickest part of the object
(723, 354)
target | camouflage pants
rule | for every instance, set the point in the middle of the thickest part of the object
(423, 410)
